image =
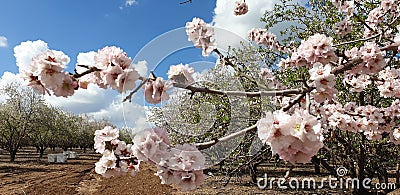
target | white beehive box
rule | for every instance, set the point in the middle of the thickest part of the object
(52, 158)
(70, 154)
(61, 158)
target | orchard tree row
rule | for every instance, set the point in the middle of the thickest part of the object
(27, 120)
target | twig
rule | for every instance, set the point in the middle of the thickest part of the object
(88, 71)
(188, 1)
(358, 40)
(205, 145)
(287, 92)
(129, 97)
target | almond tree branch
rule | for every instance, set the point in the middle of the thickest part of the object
(358, 40)
(288, 92)
(129, 97)
(205, 145)
(88, 71)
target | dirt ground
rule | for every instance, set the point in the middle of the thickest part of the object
(31, 175)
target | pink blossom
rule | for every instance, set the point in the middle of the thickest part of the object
(357, 82)
(319, 70)
(111, 56)
(352, 53)
(241, 8)
(107, 161)
(373, 58)
(375, 17)
(186, 158)
(295, 138)
(99, 144)
(156, 91)
(317, 48)
(189, 180)
(126, 80)
(262, 36)
(107, 133)
(270, 80)
(181, 74)
(329, 93)
(395, 136)
(167, 176)
(49, 67)
(150, 145)
(67, 87)
(201, 34)
(388, 5)
(348, 8)
(343, 27)
(33, 81)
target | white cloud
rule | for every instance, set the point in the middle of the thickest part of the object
(26, 51)
(225, 19)
(131, 114)
(3, 41)
(130, 2)
(141, 67)
(87, 100)
(85, 59)
(8, 78)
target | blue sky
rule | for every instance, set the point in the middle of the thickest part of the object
(149, 30)
(80, 26)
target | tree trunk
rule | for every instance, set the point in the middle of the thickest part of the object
(317, 164)
(13, 153)
(42, 149)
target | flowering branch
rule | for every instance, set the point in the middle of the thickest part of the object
(129, 97)
(88, 71)
(205, 145)
(358, 40)
(288, 92)
(349, 65)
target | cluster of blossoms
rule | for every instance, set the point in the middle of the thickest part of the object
(377, 16)
(324, 82)
(110, 69)
(317, 48)
(118, 158)
(270, 80)
(155, 90)
(181, 74)
(343, 27)
(201, 34)
(46, 71)
(370, 120)
(262, 36)
(241, 8)
(395, 136)
(295, 138)
(389, 84)
(373, 59)
(114, 71)
(347, 7)
(181, 165)
(357, 82)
